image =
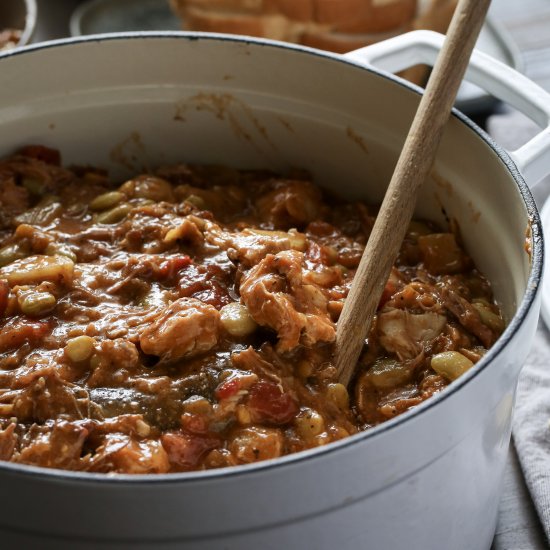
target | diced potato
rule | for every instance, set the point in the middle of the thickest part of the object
(450, 364)
(37, 269)
(237, 320)
(441, 254)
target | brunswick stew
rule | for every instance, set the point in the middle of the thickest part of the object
(184, 320)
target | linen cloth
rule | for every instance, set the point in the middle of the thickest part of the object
(531, 422)
(531, 425)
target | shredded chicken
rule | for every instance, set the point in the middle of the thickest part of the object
(250, 248)
(46, 394)
(292, 203)
(404, 333)
(58, 447)
(276, 297)
(8, 442)
(122, 453)
(114, 362)
(185, 328)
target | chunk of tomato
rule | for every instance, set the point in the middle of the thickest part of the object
(228, 388)
(169, 268)
(185, 450)
(268, 403)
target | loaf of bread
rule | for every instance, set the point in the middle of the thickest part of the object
(290, 19)
(335, 25)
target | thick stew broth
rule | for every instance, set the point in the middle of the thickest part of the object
(184, 320)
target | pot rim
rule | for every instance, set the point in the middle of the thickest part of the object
(525, 306)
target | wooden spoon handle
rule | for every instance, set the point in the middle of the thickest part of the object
(412, 169)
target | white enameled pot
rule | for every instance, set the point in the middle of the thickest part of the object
(429, 479)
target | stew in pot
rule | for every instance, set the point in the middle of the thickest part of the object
(184, 320)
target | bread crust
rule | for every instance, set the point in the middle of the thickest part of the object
(437, 16)
(257, 7)
(341, 16)
(296, 10)
(336, 25)
(273, 26)
(365, 16)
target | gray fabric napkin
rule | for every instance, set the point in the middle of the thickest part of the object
(531, 423)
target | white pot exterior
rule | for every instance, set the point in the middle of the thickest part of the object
(429, 479)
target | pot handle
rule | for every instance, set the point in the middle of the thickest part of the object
(500, 80)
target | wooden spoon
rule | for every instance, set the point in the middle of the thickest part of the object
(412, 169)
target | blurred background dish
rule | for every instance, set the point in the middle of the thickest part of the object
(17, 22)
(338, 26)
(102, 16)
